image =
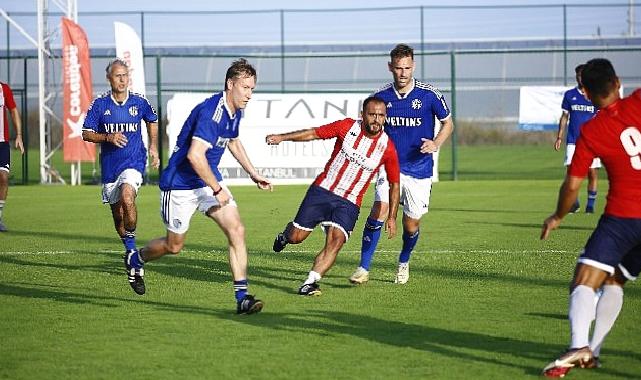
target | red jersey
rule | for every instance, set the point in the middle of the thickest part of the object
(614, 135)
(355, 159)
(6, 102)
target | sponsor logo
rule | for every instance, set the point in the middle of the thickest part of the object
(389, 104)
(107, 113)
(222, 142)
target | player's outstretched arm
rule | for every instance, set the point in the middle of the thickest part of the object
(238, 151)
(302, 135)
(567, 195)
(118, 138)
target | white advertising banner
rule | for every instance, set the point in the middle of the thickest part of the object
(129, 49)
(540, 107)
(286, 163)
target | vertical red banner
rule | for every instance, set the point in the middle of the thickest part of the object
(78, 92)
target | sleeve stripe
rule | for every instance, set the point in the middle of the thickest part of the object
(203, 140)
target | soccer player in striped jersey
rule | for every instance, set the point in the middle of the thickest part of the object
(335, 197)
(412, 107)
(578, 110)
(7, 102)
(193, 182)
(114, 121)
(612, 254)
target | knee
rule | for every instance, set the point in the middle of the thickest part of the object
(237, 231)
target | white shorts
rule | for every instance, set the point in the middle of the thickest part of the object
(569, 152)
(415, 193)
(177, 206)
(111, 191)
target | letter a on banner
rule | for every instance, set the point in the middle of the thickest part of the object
(129, 49)
(76, 73)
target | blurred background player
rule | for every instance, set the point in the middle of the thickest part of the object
(7, 102)
(193, 182)
(334, 199)
(578, 110)
(113, 121)
(612, 254)
(411, 108)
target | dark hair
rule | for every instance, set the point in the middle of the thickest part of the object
(579, 68)
(401, 51)
(598, 77)
(116, 61)
(240, 68)
(370, 99)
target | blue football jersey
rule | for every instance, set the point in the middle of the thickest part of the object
(105, 115)
(410, 117)
(580, 110)
(210, 122)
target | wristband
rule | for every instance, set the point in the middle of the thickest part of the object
(216, 192)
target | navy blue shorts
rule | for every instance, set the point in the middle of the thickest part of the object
(323, 207)
(615, 241)
(5, 156)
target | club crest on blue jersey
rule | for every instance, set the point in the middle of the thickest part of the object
(416, 104)
(133, 110)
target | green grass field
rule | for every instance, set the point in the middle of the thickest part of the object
(486, 298)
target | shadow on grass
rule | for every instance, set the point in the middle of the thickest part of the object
(446, 342)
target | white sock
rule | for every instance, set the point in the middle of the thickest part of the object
(581, 314)
(607, 311)
(312, 278)
(1, 208)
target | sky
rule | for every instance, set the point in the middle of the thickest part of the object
(156, 5)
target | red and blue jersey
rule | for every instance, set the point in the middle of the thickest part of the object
(579, 109)
(614, 135)
(7, 102)
(106, 115)
(410, 117)
(212, 123)
(355, 159)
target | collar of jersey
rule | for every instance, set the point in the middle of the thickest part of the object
(111, 95)
(231, 115)
(398, 95)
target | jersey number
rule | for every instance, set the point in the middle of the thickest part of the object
(631, 140)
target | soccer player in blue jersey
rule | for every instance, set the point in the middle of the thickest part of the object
(578, 110)
(113, 121)
(191, 181)
(412, 107)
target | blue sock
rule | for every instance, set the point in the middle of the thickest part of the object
(371, 234)
(240, 289)
(591, 199)
(129, 240)
(135, 260)
(409, 242)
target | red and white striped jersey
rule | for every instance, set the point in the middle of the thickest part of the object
(6, 103)
(355, 159)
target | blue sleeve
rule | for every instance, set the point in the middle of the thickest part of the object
(149, 115)
(206, 129)
(565, 104)
(439, 107)
(92, 120)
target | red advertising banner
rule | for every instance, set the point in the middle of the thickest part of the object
(78, 93)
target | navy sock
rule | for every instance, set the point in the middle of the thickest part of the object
(591, 199)
(240, 289)
(129, 240)
(371, 234)
(409, 242)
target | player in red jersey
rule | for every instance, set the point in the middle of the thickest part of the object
(7, 102)
(612, 255)
(334, 199)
